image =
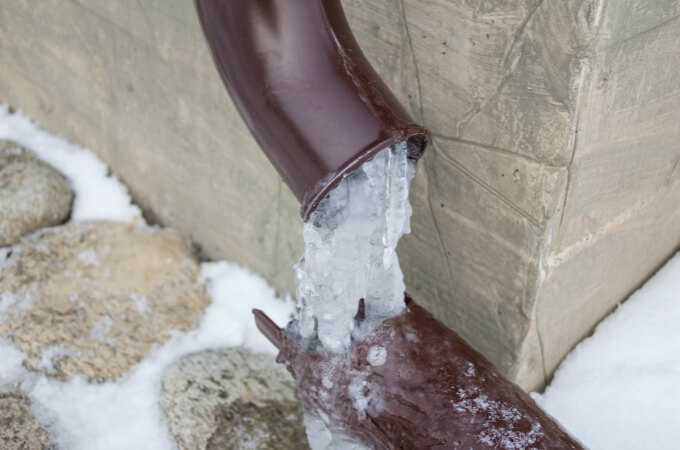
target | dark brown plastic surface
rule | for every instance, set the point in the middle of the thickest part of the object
(304, 88)
(432, 390)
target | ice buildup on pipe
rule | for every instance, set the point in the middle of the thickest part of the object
(350, 250)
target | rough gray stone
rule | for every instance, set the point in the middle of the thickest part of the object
(93, 298)
(232, 399)
(33, 195)
(19, 429)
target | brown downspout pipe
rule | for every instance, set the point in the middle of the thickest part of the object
(318, 110)
(304, 88)
(422, 385)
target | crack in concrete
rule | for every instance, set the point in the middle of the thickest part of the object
(147, 21)
(476, 109)
(434, 219)
(642, 33)
(510, 71)
(591, 239)
(487, 187)
(582, 80)
(277, 229)
(520, 31)
(501, 150)
(541, 348)
(416, 71)
(546, 241)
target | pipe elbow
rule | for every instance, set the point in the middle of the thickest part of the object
(304, 88)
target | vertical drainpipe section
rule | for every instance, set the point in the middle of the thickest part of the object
(303, 86)
(318, 110)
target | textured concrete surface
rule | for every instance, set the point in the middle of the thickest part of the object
(232, 399)
(33, 195)
(93, 298)
(549, 193)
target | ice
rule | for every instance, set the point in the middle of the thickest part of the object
(377, 355)
(509, 439)
(98, 194)
(470, 371)
(350, 254)
(350, 250)
(11, 369)
(358, 392)
(89, 257)
(320, 437)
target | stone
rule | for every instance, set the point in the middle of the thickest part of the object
(19, 429)
(232, 399)
(92, 298)
(33, 194)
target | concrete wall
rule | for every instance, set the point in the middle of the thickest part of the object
(550, 192)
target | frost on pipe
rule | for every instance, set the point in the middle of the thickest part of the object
(411, 383)
(350, 250)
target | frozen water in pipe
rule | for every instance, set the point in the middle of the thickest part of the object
(350, 243)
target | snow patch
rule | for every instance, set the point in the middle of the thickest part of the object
(11, 370)
(377, 355)
(236, 291)
(98, 195)
(17, 301)
(620, 387)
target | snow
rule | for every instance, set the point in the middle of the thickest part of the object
(11, 369)
(98, 195)
(620, 388)
(124, 414)
(358, 392)
(502, 434)
(235, 292)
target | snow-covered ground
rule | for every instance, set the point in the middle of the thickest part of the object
(618, 389)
